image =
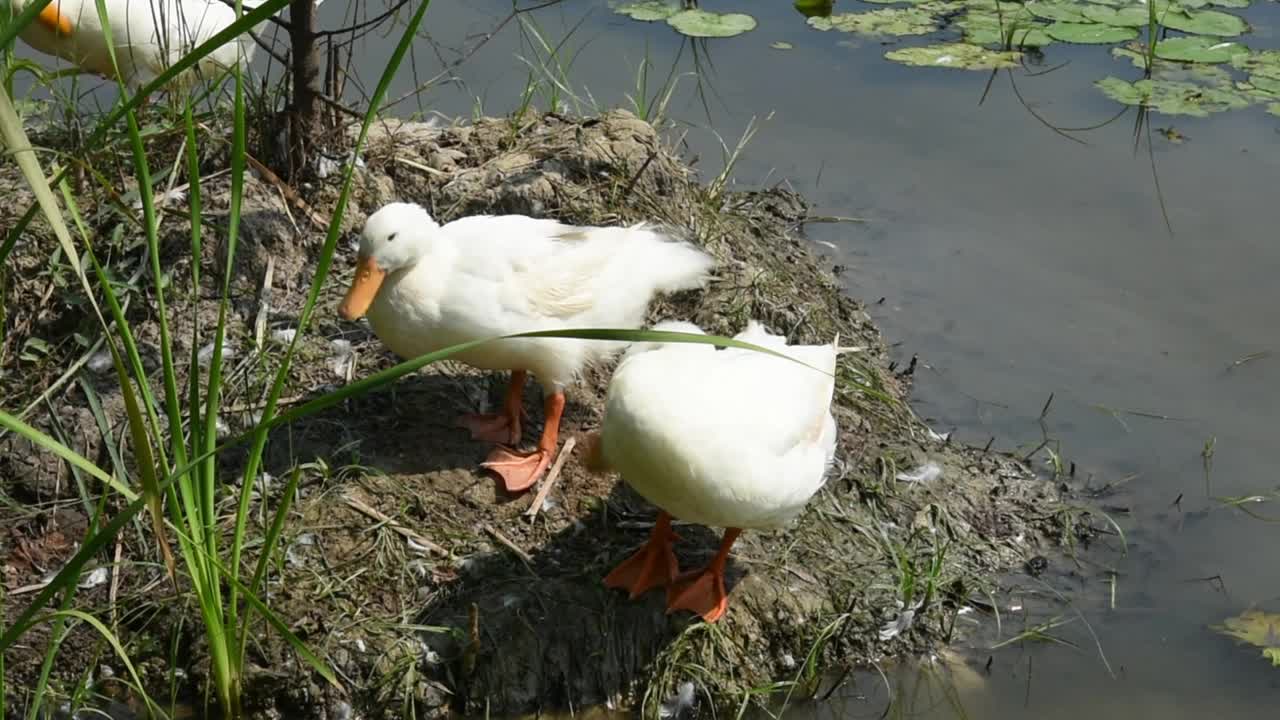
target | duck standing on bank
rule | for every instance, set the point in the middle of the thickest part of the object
(730, 438)
(426, 287)
(148, 35)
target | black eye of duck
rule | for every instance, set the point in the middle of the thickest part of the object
(391, 237)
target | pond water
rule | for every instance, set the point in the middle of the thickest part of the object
(1016, 263)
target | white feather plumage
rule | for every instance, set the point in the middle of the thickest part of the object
(485, 276)
(727, 438)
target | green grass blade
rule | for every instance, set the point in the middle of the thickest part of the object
(277, 527)
(144, 459)
(122, 327)
(323, 264)
(7, 246)
(197, 492)
(69, 574)
(142, 448)
(114, 641)
(15, 139)
(20, 23)
(214, 391)
(272, 537)
(59, 631)
(278, 625)
(36, 437)
(151, 226)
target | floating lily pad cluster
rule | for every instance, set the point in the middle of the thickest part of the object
(1190, 78)
(693, 22)
(1185, 73)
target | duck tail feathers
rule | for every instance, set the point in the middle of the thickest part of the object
(671, 264)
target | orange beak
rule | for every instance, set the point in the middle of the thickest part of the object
(364, 288)
(51, 18)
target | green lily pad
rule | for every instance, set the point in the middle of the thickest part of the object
(1205, 22)
(981, 28)
(1237, 4)
(1265, 63)
(1259, 629)
(702, 23)
(1032, 37)
(1119, 17)
(955, 55)
(1261, 88)
(1199, 49)
(1274, 109)
(1173, 97)
(781, 45)
(1134, 53)
(812, 8)
(1006, 7)
(885, 21)
(1168, 70)
(1058, 10)
(1090, 33)
(939, 8)
(648, 10)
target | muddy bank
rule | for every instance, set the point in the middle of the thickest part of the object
(424, 586)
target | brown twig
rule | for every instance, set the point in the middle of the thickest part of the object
(552, 477)
(289, 193)
(525, 557)
(363, 507)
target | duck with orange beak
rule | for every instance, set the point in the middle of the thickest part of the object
(148, 36)
(426, 286)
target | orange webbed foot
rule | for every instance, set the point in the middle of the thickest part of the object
(492, 428)
(700, 591)
(504, 427)
(652, 566)
(518, 471)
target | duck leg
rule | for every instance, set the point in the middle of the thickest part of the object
(653, 565)
(503, 427)
(519, 471)
(702, 591)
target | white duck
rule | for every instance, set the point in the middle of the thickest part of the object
(731, 438)
(426, 287)
(149, 35)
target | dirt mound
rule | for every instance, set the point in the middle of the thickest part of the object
(426, 589)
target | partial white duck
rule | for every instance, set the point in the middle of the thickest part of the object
(148, 35)
(730, 438)
(426, 287)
